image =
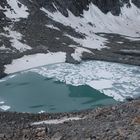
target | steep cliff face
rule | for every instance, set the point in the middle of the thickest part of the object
(104, 27)
(77, 6)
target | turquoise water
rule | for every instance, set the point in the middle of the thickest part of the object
(31, 92)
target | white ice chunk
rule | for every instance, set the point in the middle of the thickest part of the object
(116, 80)
(5, 107)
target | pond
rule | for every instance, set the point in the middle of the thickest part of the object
(68, 87)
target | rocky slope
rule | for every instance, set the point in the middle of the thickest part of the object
(110, 29)
(111, 123)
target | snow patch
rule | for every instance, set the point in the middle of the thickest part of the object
(35, 60)
(16, 38)
(53, 27)
(3, 48)
(94, 21)
(120, 42)
(57, 121)
(127, 23)
(91, 40)
(133, 38)
(78, 53)
(130, 51)
(18, 10)
(57, 38)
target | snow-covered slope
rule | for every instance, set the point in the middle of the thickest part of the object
(15, 10)
(94, 21)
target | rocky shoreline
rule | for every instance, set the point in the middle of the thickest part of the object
(117, 122)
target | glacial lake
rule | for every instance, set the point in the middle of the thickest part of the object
(68, 87)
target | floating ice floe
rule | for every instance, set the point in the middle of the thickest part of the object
(4, 107)
(2, 102)
(42, 111)
(2, 80)
(116, 80)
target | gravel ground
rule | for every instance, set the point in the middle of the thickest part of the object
(120, 122)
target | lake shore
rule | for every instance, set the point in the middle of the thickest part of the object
(121, 122)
